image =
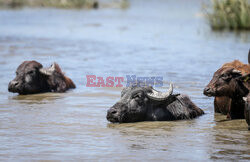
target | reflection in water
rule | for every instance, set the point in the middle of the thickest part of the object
(153, 38)
(37, 98)
(231, 139)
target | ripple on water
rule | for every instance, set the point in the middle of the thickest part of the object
(148, 39)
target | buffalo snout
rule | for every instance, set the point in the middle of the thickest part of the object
(114, 113)
(208, 91)
(13, 86)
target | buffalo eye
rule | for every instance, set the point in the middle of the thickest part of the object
(226, 77)
(137, 96)
(32, 72)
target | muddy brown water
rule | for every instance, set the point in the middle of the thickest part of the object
(152, 38)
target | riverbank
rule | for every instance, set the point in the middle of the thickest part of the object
(66, 4)
(229, 14)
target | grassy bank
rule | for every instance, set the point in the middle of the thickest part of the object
(229, 14)
(61, 3)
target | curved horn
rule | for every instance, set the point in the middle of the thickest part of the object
(156, 95)
(48, 71)
(236, 71)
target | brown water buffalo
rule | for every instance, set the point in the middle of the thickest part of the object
(32, 78)
(222, 104)
(247, 110)
(230, 81)
(146, 104)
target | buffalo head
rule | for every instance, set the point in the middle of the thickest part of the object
(32, 78)
(226, 81)
(29, 78)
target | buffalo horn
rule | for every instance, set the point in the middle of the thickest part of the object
(156, 95)
(236, 71)
(48, 71)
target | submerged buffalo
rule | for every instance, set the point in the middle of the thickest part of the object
(222, 104)
(232, 82)
(32, 78)
(247, 110)
(147, 104)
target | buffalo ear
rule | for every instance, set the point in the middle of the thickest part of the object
(244, 78)
(48, 71)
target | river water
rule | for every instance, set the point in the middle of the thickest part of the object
(170, 39)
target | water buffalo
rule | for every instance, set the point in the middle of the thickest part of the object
(146, 104)
(222, 104)
(247, 109)
(32, 78)
(232, 82)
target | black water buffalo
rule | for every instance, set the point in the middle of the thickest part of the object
(32, 78)
(146, 104)
(247, 109)
(232, 82)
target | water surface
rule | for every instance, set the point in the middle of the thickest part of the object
(152, 38)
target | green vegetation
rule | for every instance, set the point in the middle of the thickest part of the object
(48, 3)
(229, 14)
